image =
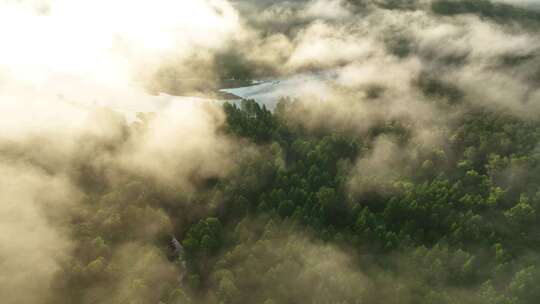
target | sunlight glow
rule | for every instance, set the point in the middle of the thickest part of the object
(102, 40)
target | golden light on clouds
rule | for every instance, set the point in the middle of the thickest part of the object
(102, 40)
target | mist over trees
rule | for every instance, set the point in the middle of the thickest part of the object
(405, 170)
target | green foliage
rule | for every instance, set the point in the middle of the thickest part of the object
(463, 218)
(205, 237)
(250, 120)
(485, 8)
(458, 227)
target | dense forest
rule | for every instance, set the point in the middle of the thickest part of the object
(459, 227)
(387, 152)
